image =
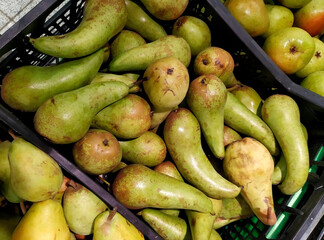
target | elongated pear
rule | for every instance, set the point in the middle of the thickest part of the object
(139, 58)
(34, 175)
(81, 207)
(127, 118)
(43, 221)
(110, 225)
(282, 112)
(183, 140)
(66, 117)
(137, 18)
(249, 164)
(27, 87)
(101, 21)
(206, 98)
(137, 186)
(168, 227)
(241, 119)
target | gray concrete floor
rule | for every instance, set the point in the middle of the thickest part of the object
(12, 10)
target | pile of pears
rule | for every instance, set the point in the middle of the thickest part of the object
(159, 116)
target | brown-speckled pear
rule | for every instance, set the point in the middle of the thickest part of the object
(281, 112)
(249, 164)
(241, 119)
(137, 186)
(217, 61)
(127, 118)
(230, 135)
(183, 140)
(34, 175)
(206, 98)
(148, 149)
(66, 117)
(98, 152)
(139, 58)
(44, 220)
(166, 83)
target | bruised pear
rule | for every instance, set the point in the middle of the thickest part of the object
(249, 164)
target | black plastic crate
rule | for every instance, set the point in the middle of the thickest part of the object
(253, 67)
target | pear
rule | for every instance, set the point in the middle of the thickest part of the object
(148, 149)
(27, 87)
(34, 175)
(217, 61)
(251, 14)
(166, 9)
(249, 164)
(127, 118)
(44, 220)
(166, 83)
(137, 186)
(81, 207)
(280, 111)
(8, 223)
(6, 188)
(110, 225)
(230, 135)
(124, 41)
(183, 140)
(137, 18)
(241, 119)
(98, 152)
(159, 117)
(215, 235)
(206, 98)
(66, 117)
(195, 31)
(139, 58)
(168, 227)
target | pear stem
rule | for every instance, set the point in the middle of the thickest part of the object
(112, 214)
(22, 207)
(105, 181)
(11, 133)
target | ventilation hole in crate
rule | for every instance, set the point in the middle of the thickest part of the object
(255, 233)
(59, 20)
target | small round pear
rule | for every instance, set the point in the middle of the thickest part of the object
(314, 82)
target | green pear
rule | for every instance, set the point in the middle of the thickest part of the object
(215, 235)
(166, 9)
(6, 188)
(139, 21)
(251, 14)
(34, 175)
(27, 87)
(217, 61)
(282, 112)
(241, 119)
(100, 22)
(230, 135)
(139, 58)
(44, 220)
(166, 83)
(316, 63)
(314, 82)
(249, 164)
(66, 117)
(159, 117)
(168, 227)
(183, 140)
(127, 118)
(249, 97)
(195, 31)
(294, 3)
(110, 225)
(206, 98)
(137, 186)
(148, 149)
(98, 152)
(233, 209)
(8, 223)
(81, 207)
(124, 41)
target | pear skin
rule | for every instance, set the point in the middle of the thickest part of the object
(249, 164)
(137, 186)
(66, 117)
(44, 220)
(183, 140)
(230, 135)
(168, 168)
(8, 223)
(34, 175)
(241, 119)
(206, 98)
(282, 112)
(159, 117)
(215, 235)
